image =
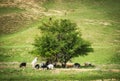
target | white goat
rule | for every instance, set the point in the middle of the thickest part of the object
(34, 62)
(50, 66)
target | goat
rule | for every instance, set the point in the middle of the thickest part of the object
(87, 64)
(23, 64)
(34, 62)
(76, 65)
(37, 66)
(43, 65)
(50, 66)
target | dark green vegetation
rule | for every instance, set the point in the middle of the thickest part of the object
(99, 22)
(60, 41)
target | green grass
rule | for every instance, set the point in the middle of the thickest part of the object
(24, 37)
(8, 10)
(98, 21)
(20, 44)
(29, 74)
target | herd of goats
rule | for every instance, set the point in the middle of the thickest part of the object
(51, 66)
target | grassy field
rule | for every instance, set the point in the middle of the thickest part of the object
(13, 73)
(8, 10)
(33, 75)
(99, 22)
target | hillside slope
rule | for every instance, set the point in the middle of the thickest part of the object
(98, 20)
(18, 14)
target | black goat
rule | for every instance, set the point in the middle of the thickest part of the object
(23, 64)
(44, 66)
(37, 66)
(76, 65)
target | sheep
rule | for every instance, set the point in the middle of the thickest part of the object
(57, 65)
(69, 65)
(34, 62)
(23, 64)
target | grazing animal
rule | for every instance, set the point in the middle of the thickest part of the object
(87, 64)
(50, 66)
(69, 65)
(37, 66)
(76, 65)
(57, 65)
(34, 62)
(23, 64)
(43, 65)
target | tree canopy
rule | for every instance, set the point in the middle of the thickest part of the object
(60, 41)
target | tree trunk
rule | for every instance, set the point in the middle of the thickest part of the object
(64, 65)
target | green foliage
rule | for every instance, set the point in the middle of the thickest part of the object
(46, 46)
(61, 41)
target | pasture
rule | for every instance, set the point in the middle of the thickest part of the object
(99, 22)
(8, 10)
(11, 72)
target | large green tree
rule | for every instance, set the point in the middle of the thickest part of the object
(60, 41)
